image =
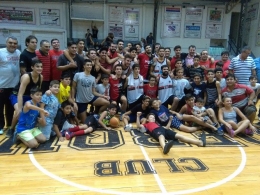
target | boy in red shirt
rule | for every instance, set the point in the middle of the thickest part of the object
(160, 133)
(151, 89)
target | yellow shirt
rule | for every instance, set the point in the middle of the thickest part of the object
(63, 94)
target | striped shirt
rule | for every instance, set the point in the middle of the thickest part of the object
(242, 69)
(239, 95)
(46, 65)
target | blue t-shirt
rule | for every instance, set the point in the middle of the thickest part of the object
(27, 120)
(51, 106)
(162, 115)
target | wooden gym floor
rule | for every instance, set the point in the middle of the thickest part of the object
(118, 162)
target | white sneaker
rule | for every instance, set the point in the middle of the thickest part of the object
(1, 131)
(259, 118)
(128, 127)
(142, 129)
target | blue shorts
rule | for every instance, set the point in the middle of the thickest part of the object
(14, 99)
(176, 123)
(82, 107)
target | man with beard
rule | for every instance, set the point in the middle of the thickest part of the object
(120, 47)
(67, 67)
(205, 62)
(44, 57)
(189, 57)
(105, 61)
(126, 65)
(165, 91)
(159, 62)
(112, 52)
(28, 54)
(55, 53)
(145, 61)
(9, 78)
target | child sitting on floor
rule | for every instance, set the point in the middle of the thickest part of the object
(160, 133)
(201, 112)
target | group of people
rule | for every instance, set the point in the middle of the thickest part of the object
(65, 93)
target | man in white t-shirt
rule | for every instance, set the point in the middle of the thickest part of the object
(9, 78)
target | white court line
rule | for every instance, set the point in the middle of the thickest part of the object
(213, 185)
(156, 176)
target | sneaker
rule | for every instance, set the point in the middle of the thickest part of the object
(15, 140)
(203, 139)
(9, 133)
(142, 129)
(1, 131)
(68, 135)
(220, 131)
(259, 118)
(128, 127)
(167, 147)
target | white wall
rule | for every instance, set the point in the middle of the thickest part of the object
(21, 31)
(255, 25)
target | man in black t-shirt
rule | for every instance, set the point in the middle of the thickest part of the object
(67, 67)
(130, 116)
(94, 33)
(28, 54)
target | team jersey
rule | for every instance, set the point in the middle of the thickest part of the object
(165, 88)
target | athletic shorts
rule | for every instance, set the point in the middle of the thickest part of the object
(176, 123)
(91, 121)
(30, 134)
(169, 101)
(14, 99)
(132, 118)
(168, 134)
(248, 110)
(82, 107)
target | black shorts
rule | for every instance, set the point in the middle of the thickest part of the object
(168, 134)
(138, 101)
(91, 121)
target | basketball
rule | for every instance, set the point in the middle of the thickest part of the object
(114, 122)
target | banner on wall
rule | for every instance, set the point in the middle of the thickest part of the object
(193, 14)
(50, 17)
(132, 16)
(192, 30)
(117, 30)
(17, 15)
(172, 13)
(132, 32)
(213, 31)
(253, 11)
(257, 43)
(171, 29)
(116, 14)
(215, 15)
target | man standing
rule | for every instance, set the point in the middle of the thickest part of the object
(68, 67)
(9, 78)
(243, 66)
(28, 54)
(149, 39)
(89, 40)
(94, 32)
(145, 60)
(55, 53)
(226, 62)
(44, 57)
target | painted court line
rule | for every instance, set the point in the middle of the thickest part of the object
(83, 187)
